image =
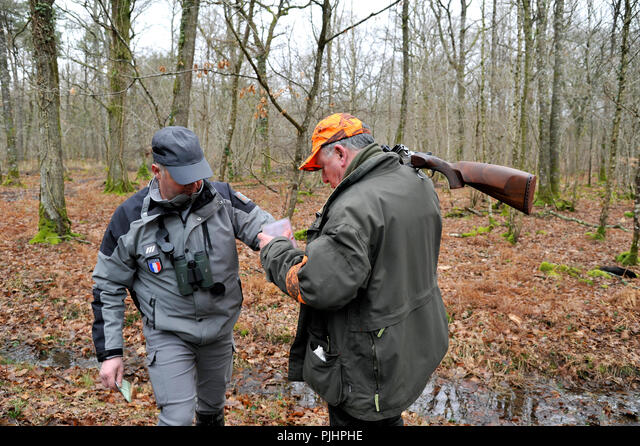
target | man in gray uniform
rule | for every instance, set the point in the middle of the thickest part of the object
(172, 246)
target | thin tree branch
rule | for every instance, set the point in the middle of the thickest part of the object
(373, 14)
(261, 80)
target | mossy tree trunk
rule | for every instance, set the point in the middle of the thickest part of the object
(119, 82)
(186, 48)
(631, 257)
(263, 120)
(615, 128)
(13, 174)
(53, 223)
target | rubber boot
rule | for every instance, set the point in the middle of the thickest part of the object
(213, 419)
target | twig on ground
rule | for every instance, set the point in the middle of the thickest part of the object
(473, 211)
(585, 223)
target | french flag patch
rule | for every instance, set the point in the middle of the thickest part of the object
(155, 265)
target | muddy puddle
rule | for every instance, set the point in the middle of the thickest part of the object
(469, 403)
(460, 401)
(59, 358)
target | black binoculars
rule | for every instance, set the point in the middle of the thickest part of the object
(196, 273)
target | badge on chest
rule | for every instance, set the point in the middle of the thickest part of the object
(154, 263)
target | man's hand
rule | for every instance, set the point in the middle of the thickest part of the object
(111, 372)
(264, 239)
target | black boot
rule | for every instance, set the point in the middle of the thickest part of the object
(213, 419)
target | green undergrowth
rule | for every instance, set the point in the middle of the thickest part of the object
(478, 230)
(300, 235)
(558, 271)
(627, 258)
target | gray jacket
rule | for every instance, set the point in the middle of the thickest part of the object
(130, 259)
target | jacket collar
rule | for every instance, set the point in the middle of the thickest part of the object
(367, 160)
(151, 209)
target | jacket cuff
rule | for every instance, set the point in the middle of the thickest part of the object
(108, 354)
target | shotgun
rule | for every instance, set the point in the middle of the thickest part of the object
(507, 185)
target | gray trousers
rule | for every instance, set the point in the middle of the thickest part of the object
(187, 377)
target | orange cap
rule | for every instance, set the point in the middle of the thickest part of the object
(331, 129)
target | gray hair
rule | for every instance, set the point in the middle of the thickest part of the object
(355, 142)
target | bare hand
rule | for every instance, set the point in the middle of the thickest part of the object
(111, 372)
(264, 239)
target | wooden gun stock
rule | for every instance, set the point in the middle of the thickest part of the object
(510, 186)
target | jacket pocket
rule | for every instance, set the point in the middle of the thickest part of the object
(157, 378)
(322, 371)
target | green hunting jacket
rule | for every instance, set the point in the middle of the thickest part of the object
(370, 291)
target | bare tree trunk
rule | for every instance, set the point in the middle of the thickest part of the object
(526, 82)
(494, 49)
(18, 106)
(301, 140)
(460, 82)
(515, 218)
(405, 72)
(483, 76)
(554, 120)
(456, 52)
(615, 128)
(517, 88)
(301, 128)
(237, 57)
(544, 177)
(120, 64)
(13, 174)
(262, 54)
(53, 224)
(186, 48)
(632, 258)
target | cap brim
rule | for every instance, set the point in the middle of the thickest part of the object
(310, 163)
(190, 173)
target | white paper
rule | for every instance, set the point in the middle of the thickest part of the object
(319, 352)
(280, 227)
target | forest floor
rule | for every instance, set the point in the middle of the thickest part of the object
(515, 328)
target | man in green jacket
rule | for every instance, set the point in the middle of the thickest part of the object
(372, 325)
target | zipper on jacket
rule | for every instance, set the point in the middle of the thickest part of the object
(153, 312)
(376, 397)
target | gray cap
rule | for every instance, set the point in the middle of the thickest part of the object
(178, 149)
